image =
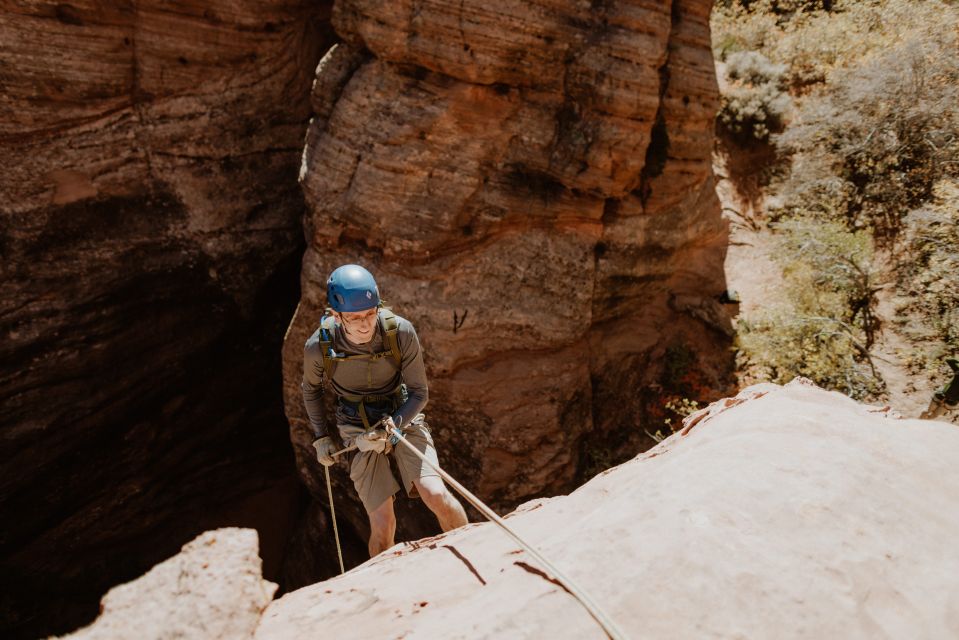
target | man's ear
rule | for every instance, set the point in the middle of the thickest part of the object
(336, 316)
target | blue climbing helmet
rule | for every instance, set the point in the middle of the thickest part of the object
(351, 288)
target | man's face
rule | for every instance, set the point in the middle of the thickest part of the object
(359, 325)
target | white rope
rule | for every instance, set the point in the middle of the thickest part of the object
(336, 531)
(604, 621)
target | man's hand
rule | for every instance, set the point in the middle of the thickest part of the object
(324, 447)
(389, 426)
(374, 441)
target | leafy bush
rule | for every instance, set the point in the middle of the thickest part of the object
(813, 38)
(753, 103)
(825, 331)
(780, 346)
(870, 158)
(750, 25)
(752, 67)
(879, 138)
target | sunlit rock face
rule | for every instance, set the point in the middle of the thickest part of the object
(837, 518)
(150, 232)
(531, 185)
(212, 590)
(783, 512)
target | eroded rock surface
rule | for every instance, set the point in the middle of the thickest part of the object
(212, 590)
(531, 184)
(150, 233)
(787, 512)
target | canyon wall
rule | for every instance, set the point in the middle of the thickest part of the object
(150, 232)
(531, 184)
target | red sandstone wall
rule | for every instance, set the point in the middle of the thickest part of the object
(541, 169)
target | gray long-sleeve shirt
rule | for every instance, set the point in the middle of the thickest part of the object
(365, 376)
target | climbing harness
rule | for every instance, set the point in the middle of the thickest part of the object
(604, 621)
(378, 404)
(330, 357)
(358, 403)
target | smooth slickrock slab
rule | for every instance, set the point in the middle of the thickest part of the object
(786, 512)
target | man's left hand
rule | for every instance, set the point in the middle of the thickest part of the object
(391, 428)
(388, 425)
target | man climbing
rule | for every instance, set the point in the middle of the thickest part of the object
(372, 360)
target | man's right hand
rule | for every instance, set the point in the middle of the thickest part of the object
(324, 448)
(374, 441)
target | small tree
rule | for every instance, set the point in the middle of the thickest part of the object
(825, 331)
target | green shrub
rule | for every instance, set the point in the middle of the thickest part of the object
(753, 104)
(781, 345)
(813, 39)
(830, 269)
(825, 330)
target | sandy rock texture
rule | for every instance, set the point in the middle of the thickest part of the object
(531, 183)
(786, 512)
(213, 589)
(150, 233)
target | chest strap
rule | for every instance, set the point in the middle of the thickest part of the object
(390, 328)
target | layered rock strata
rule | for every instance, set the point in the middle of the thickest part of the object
(150, 232)
(531, 183)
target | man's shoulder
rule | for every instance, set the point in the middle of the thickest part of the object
(327, 322)
(312, 344)
(402, 324)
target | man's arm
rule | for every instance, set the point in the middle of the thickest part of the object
(414, 376)
(313, 386)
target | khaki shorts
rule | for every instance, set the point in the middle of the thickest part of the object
(371, 473)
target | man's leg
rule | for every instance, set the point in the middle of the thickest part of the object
(382, 527)
(441, 502)
(375, 484)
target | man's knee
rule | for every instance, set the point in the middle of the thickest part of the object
(432, 490)
(441, 502)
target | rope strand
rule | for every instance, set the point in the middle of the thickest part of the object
(336, 531)
(604, 621)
